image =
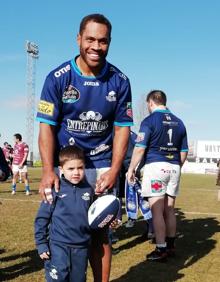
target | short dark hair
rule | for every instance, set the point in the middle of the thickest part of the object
(158, 96)
(97, 18)
(69, 153)
(5, 143)
(18, 136)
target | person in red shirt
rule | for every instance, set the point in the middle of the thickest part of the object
(19, 163)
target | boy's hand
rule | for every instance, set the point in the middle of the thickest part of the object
(45, 255)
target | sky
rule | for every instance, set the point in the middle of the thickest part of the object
(169, 45)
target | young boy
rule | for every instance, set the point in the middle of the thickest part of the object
(62, 232)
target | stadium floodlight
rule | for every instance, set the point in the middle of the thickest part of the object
(32, 49)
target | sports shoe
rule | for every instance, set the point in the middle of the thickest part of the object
(13, 192)
(157, 255)
(27, 193)
(130, 223)
(171, 252)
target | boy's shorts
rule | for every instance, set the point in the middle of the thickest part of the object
(160, 178)
(15, 169)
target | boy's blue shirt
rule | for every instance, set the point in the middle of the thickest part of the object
(66, 220)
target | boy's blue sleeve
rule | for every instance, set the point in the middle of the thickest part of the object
(41, 225)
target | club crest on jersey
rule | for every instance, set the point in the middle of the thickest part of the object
(86, 196)
(156, 186)
(70, 95)
(111, 97)
(140, 137)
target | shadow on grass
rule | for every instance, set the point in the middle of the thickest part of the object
(193, 243)
(31, 264)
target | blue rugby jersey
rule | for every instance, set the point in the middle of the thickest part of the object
(164, 137)
(84, 109)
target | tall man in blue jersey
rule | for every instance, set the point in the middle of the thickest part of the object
(87, 102)
(162, 140)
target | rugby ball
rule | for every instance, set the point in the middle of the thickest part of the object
(103, 211)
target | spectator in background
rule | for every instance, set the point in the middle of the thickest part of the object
(19, 164)
(4, 167)
(8, 153)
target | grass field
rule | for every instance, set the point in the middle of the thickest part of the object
(198, 243)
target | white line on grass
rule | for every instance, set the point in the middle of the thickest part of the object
(19, 200)
(201, 213)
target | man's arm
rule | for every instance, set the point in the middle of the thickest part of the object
(46, 143)
(136, 158)
(24, 159)
(183, 156)
(120, 144)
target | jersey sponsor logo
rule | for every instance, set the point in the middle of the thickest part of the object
(140, 137)
(62, 196)
(71, 141)
(46, 108)
(111, 97)
(170, 156)
(168, 117)
(71, 94)
(91, 83)
(101, 148)
(156, 186)
(90, 122)
(86, 196)
(112, 69)
(129, 110)
(122, 75)
(62, 71)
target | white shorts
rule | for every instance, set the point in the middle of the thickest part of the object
(160, 178)
(16, 169)
(93, 174)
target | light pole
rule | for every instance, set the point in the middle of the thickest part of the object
(32, 55)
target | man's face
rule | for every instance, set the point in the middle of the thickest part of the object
(93, 44)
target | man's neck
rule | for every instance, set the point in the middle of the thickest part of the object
(85, 69)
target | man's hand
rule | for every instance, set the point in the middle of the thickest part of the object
(49, 180)
(45, 255)
(131, 176)
(106, 181)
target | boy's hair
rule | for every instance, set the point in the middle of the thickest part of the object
(97, 18)
(158, 97)
(69, 153)
(18, 136)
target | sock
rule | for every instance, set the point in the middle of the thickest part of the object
(27, 188)
(13, 187)
(162, 247)
(170, 242)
